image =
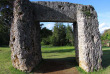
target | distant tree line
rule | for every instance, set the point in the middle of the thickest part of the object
(61, 35)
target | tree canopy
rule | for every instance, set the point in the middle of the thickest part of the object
(59, 34)
(6, 12)
(6, 15)
(105, 37)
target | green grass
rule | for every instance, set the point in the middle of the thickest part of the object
(49, 52)
(58, 52)
(5, 62)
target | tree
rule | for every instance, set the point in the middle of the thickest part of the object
(55, 35)
(46, 36)
(59, 34)
(105, 37)
(4, 35)
(69, 35)
(6, 11)
(45, 32)
(62, 34)
(6, 15)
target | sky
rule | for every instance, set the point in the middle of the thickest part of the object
(102, 8)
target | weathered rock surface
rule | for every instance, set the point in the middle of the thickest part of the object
(89, 44)
(55, 11)
(25, 32)
(25, 37)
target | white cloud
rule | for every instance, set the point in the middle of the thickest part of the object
(49, 26)
(104, 20)
(103, 27)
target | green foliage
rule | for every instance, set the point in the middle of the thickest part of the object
(45, 32)
(6, 15)
(59, 35)
(46, 41)
(87, 13)
(6, 12)
(69, 35)
(45, 36)
(105, 37)
(4, 35)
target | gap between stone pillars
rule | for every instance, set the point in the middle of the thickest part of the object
(75, 28)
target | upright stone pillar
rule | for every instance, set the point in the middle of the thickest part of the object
(88, 50)
(24, 37)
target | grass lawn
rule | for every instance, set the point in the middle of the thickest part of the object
(63, 52)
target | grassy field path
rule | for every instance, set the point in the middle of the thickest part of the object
(57, 66)
(56, 60)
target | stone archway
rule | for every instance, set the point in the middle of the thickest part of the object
(25, 32)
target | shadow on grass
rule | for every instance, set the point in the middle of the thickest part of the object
(59, 51)
(106, 58)
(52, 65)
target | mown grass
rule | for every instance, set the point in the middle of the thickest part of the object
(58, 52)
(49, 52)
(5, 62)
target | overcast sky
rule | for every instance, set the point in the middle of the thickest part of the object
(101, 6)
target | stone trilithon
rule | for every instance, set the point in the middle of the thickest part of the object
(25, 32)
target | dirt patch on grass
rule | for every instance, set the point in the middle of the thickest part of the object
(57, 66)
